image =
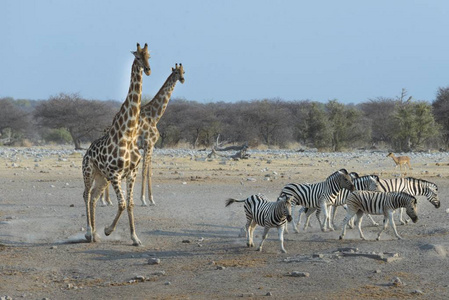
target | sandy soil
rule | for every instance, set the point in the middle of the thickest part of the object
(196, 239)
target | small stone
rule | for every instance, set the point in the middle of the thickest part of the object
(269, 294)
(54, 247)
(159, 273)
(186, 241)
(244, 295)
(168, 283)
(154, 261)
(299, 274)
(140, 278)
(377, 271)
(397, 282)
(221, 268)
(319, 255)
(72, 205)
(417, 292)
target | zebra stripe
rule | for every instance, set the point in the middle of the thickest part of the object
(319, 194)
(378, 203)
(363, 183)
(412, 186)
(266, 214)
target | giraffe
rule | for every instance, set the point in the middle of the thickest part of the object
(150, 115)
(116, 156)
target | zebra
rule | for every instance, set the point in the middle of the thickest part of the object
(318, 194)
(412, 186)
(378, 203)
(259, 211)
(363, 183)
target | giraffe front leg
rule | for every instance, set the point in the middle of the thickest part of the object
(144, 177)
(150, 174)
(121, 206)
(130, 187)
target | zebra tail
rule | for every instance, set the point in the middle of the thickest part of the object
(230, 201)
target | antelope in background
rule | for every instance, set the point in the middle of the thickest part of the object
(400, 160)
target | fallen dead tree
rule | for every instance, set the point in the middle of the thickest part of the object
(240, 154)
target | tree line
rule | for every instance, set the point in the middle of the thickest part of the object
(398, 123)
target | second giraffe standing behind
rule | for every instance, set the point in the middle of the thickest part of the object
(150, 114)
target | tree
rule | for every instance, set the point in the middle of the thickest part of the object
(345, 122)
(379, 113)
(441, 112)
(83, 119)
(13, 120)
(414, 125)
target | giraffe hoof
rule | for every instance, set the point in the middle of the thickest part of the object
(108, 231)
(137, 243)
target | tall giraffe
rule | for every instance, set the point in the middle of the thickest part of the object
(150, 115)
(116, 156)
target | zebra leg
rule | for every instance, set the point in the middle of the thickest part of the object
(401, 219)
(372, 220)
(332, 216)
(383, 227)
(390, 217)
(348, 217)
(358, 223)
(250, 225)
(264, 237)
(309, 213)
(324, 226)
(281, 238)
(296, 225)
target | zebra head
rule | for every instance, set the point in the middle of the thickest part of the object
(432, 197)
(344, 180)
(287, 205)
(366, 183)
(411, 207)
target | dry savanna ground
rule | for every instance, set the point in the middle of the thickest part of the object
(192, 246)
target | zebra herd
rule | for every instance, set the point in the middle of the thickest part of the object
(359, 195)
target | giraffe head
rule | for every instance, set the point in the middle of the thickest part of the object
(178, 71)
(142, 56)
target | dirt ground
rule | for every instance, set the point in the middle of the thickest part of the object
(195, 241)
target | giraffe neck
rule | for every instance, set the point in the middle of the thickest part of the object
(156, 107)
(124, 125)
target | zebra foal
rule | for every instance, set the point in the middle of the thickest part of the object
(378, 203)
(267, 214)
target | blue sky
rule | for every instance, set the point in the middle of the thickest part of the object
(231, 50)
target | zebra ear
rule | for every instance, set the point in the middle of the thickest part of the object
(375, 177)
(354, 175)
(344, 171)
